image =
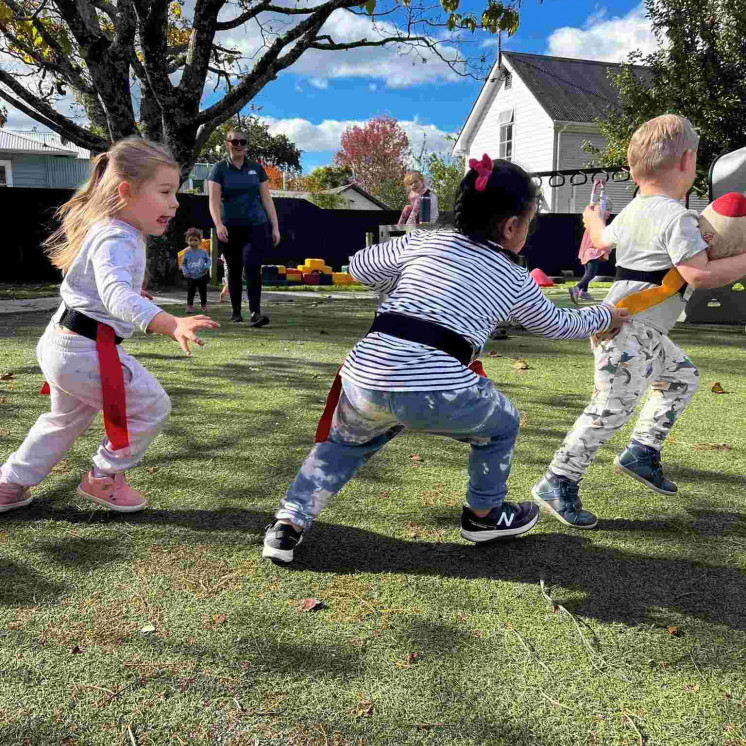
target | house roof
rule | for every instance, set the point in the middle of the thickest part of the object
(569, 90)
(55, 140)
(21, 143)
(335, 190)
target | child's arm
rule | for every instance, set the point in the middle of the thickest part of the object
(601, 236)
(379, 266)
(112, 264)
(540, 316)
(700, 272)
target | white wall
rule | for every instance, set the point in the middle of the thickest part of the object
(533, 129)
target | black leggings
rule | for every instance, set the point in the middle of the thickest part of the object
(194, 285)
(590, 272)
(245, 250)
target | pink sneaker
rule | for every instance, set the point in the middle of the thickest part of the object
(13, 496)
(112, 492)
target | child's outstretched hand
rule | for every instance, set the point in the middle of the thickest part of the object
(186, 331)
(619, 317)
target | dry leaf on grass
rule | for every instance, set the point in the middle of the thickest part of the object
(494, 353)
(673, 631)
(3, 399)
(711, 447)
(416, 459)
(409, 659)
(7, 376)
(717, 388)
(218, 618)
(363, 710)
(76, 650)
(4, 432)
(152, 469)
(148, 628)
(311, 604)
(521, 364)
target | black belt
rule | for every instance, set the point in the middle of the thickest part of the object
(81, 324)
(654, 277)
(424, 332)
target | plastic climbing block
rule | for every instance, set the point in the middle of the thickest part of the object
(311, 278)
(541, 279)
(325, 279)
(315, 265)
(294, 277)
(204, 244)
(342, 278)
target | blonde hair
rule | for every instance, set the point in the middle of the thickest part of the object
(133, 160)
(411, 176)
(659, 143)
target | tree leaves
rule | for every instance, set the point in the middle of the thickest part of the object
(717, 388)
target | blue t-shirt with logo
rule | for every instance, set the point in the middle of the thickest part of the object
(240, 203)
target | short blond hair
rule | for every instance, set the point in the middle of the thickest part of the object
(659, 143)
(411, 176)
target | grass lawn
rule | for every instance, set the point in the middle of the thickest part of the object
(167, 628)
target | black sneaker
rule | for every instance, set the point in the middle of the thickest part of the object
(258, 319)
(559, 496)
(237, 318)
(510, 519)
(280, 539)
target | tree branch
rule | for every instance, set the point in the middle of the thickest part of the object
(43, 113)
(243, 18)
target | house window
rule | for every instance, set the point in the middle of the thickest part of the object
(505, 123)
(508, 80)
(6, 174)
(199, 185)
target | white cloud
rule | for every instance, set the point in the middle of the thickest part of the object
(327, 135)
(372, 87)
(319, 83)
(605, 39)
(398, 66)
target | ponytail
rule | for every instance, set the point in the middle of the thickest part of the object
(133, 160)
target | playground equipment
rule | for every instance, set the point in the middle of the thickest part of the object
(312, 272)
(541, 279)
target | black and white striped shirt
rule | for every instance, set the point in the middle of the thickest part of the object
(466, 286)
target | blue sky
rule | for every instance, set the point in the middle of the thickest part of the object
(324, 92)
(313, 101)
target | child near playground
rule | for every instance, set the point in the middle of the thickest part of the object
(100, 249)
(195, 265)
(422, 204)
(447, 291)
(652, 235)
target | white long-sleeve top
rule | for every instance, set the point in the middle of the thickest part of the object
(105, 279)
(466, 286)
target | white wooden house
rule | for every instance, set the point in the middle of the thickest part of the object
(537, 111)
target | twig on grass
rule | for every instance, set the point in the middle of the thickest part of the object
(531, 651)
(132, 738)
(625, 714)
(555, 702)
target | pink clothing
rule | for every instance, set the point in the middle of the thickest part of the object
(588, 251)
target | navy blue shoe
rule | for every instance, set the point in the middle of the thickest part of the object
(510, 519)
(280, 541)
(643, 463)
(559, 496)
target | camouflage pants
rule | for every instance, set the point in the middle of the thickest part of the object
(637, 359)
(365, 420)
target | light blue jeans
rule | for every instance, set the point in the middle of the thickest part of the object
(365, 420)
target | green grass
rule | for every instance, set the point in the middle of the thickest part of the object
(27, 291)
(233, 661)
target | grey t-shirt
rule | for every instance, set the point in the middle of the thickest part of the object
(653, 232)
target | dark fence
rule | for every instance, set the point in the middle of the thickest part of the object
(308, 232)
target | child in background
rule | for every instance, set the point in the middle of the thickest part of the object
(447, 292)
(225, 288)
(423, 202)
(590, 255)
(100, 248)
(653, 234)
(195, 265)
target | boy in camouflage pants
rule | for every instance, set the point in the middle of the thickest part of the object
(653, 234)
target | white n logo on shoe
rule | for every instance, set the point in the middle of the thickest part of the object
(506, 519)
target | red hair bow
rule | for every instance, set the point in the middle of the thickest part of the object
(484, 169)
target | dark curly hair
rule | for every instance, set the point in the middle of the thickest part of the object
(510, 191)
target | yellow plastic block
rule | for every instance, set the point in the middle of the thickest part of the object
(326, 269)
(281, 269)
(342, 278)
(312, 264)
(204, 244)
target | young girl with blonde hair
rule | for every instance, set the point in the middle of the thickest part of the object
(100, 248)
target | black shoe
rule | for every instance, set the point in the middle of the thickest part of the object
(510, 519)
(258, 319)
(280, 539)
(237, 318)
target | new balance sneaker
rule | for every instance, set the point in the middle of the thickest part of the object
(13, 496)
(643, 463)
(559, 496)
(280, 541)
(510, 519)
(573, 294)
(258, 319)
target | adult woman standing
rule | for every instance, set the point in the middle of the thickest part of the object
(241, 207)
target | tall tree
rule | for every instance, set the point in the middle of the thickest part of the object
(323, 178)
(445, 174)
(268, 149)
(377, 154)
(698, 72)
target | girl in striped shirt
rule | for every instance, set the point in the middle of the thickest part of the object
(447, 291)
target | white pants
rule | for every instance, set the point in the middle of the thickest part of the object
(70, 364)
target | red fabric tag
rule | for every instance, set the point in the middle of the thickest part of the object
(112, 388)
(45, 390)
(332, 399)
(478, 368)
